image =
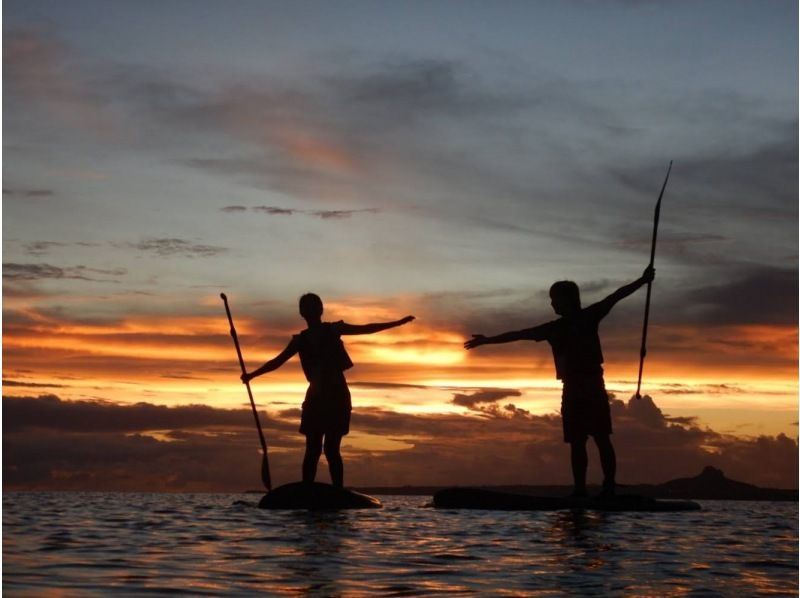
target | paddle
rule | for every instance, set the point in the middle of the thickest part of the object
(265, 477)
(643, 350)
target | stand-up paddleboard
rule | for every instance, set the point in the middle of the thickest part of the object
(475, 498)
(316, 496)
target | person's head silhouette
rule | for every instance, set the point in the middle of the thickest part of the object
(565, 297)
(311, 307)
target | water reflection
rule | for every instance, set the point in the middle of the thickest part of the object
(320, 537)
(574, 525)
(582, 541)
(205, 544)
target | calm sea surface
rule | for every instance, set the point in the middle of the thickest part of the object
(85, 544)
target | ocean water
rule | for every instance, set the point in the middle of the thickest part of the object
(85, 544)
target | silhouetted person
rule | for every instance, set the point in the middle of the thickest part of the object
(326, 409)
(578, 359)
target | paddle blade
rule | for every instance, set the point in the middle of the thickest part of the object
(265, 477)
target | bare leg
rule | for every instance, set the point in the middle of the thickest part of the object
(580, 462)
(608, 460)
(313, 451)
(334, 457)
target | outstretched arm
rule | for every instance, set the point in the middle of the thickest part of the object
(529, 334)
(372, 328)
(647, 276)
(274, 363)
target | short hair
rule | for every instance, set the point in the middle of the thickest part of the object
(567, 292)
(310, 305)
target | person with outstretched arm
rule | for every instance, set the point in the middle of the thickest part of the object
(324, 359)
(578, 360)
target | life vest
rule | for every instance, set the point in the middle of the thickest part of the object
(322, 352)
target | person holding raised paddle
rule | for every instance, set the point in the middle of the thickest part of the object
(326, 410)
(578, 359)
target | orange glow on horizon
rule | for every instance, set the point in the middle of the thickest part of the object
(416, 368)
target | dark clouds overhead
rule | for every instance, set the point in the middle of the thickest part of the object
(760, 296)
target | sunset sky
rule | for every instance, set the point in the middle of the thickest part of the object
(444, 159)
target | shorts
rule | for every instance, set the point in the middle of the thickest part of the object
(584, 409)
(326, 409)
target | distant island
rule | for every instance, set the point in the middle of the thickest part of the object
(710, 484)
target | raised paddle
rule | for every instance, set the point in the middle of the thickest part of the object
(265, 477)
(643, 350)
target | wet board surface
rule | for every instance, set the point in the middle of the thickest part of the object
(475, 498)
(316, 496)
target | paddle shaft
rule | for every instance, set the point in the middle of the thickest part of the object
(265, 476)
(643, 349)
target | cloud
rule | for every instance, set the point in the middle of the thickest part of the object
(323, 214)
(28, 272)
(28, 193)
(490, 395)
(24, 384)
(339, 214)
(759, 296)
(386, 385)
(761, 172)
(441, 137)
(398, 93)
(39, 248)
(43, 71)
(273, 211)
(168, 247)
(50, 412)
(54, 444)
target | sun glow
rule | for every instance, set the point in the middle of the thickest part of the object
(413, 369)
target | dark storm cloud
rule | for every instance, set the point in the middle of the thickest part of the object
(757, 295)
(515, 447)
(52, 413)
(762, 296)
(49, 443)
(168, 247)
(29, 272)
(195, 462)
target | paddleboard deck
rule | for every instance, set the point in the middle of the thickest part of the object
(475, 498)
(316, 496)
